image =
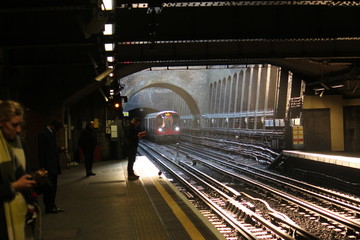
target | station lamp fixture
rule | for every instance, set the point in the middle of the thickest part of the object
(109, 47)
(117, 102)
(108, 29)
(117, 105)
(107, 5)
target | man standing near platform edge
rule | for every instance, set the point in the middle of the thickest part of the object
(132, 135)
(88, 142)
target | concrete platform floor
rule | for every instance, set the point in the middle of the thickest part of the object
(109, 206)
(96, 207)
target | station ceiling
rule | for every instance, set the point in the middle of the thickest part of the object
(53, 50)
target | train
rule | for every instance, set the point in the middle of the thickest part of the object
(162, 126)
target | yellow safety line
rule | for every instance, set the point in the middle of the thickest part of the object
(179, 213)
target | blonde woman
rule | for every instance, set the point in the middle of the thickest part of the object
(14, 182)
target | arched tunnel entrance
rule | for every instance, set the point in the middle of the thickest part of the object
(140, 111)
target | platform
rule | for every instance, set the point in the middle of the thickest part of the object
(108, 206)
(336, 158)
(345, 167)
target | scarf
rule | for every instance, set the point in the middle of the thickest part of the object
(16, 209)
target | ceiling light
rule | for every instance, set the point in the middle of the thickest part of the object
(139, 5)
(109, 47)
(108, 29)
(338, 86)
(110, 59)
(318, 89)
(107, 5)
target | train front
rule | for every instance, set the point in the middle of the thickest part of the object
(168, 126)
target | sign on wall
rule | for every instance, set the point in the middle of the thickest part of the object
(298, 137)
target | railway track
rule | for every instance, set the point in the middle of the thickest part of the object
(336, 198)
(336, 211)
(225, 208)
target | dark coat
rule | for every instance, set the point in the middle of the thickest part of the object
(131, 139)
(88, 139)
(48, 152)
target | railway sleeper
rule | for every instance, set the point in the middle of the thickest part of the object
(241, 215)
(355, 215)
(238, 212)
(352, 234)
(249, 205)
(248, 219)
(301, 210)
(262, 235)
(335, 226)
(315, 217)
(232, 207)
(188, 195)
(206, 212)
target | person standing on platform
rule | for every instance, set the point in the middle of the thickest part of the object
(49, 159)
(88, 142)
(15, 184)
(131, 136)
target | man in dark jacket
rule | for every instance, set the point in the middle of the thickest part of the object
(88, 142)
(49, 160)
(131, 136)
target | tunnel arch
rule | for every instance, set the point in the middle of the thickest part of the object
(190, 101)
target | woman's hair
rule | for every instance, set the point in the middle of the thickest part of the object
(10, 109)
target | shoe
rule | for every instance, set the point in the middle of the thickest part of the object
(133, 177)
(59, 210)
(53, 210)
(90, 174)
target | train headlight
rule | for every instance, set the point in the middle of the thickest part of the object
(160, 130)
(177, 129)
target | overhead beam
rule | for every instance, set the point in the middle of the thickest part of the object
(179, 3)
